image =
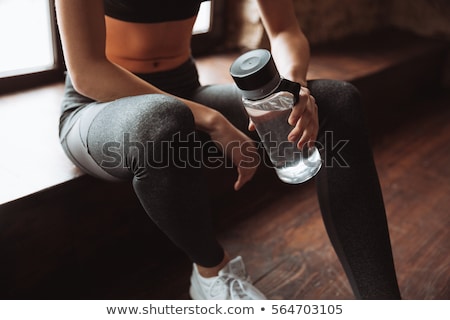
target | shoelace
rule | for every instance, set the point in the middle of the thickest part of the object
(236, 286)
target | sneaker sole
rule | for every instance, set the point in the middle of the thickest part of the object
(195, 295)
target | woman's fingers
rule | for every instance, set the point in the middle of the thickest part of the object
(246, 161)
(251, 126)
(304, 119)
(300, 107)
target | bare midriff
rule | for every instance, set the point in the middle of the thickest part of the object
(148, 47)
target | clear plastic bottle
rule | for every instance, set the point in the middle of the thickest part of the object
(268, 100)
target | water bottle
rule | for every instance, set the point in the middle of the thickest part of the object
(268, 99)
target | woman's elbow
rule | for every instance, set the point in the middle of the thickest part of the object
(86, 76)
(82, 83)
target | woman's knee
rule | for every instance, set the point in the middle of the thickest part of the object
(159, 117)
(160, 122)
(135, 132)
(339, 103)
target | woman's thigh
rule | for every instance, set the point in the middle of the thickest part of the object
(121, 139)
(74, 141)
(226, 99)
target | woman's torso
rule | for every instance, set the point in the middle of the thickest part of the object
(146, 36)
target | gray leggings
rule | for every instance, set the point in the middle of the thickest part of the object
(152, 141)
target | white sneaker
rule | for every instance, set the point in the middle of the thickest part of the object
(232, 283)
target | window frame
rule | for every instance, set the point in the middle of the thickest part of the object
(201, 43)
(42, 77)
(205, 43)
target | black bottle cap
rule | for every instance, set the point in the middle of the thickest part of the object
(255, 74)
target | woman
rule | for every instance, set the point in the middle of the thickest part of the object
(132, 90)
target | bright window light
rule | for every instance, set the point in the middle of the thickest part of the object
(26, 37)
(27, 40)
(203, 22)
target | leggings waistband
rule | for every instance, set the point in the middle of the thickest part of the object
(181, 81)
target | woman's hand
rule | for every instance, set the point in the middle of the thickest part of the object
(236, 146)
(305, 120)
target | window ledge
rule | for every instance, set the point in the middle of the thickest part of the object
(32, 158)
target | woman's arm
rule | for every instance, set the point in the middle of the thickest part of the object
(83, 36)
(291, 53)
(289, 46)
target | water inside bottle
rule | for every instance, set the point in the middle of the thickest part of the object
(291, 164)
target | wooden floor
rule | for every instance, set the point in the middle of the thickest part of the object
(287, 250)
(289, 253)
